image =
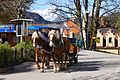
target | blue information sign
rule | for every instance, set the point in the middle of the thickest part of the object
(6, 28)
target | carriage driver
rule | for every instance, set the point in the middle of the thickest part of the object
(44, 32)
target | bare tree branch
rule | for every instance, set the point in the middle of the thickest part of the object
(107, 11)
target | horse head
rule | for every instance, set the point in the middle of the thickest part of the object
(35, 38)
(40, 39)
(54, 38)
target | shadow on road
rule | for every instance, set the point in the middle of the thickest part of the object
(2, 78)
(80, 66)
(24, 67)
(85, 66)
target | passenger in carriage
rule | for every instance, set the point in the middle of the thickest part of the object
(72, 38)
(45, 33)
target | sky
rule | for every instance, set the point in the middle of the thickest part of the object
(45, 10)
(39, 5)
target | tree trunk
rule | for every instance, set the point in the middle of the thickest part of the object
(86, 25)
(98, 4)
(78, 7)
(92, 27)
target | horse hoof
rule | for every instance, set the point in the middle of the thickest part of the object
(38, 66)
(42, 70)
(55, 71)
(65, 66)
(48, 67)
(58, 69)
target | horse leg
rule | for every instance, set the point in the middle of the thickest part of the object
(47, 61)
(36, 57)
(58, 65)
(42, 63)
(54, 64)
(62, 62)
(65, 60)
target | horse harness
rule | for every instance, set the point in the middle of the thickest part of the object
(45, 39)
(58, 42)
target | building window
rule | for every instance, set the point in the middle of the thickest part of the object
(19, 29)
(110, 40)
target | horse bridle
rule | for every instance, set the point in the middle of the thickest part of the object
(60, 41)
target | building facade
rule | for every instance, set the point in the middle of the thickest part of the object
(108, 38)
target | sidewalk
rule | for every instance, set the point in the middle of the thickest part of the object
(96, 55)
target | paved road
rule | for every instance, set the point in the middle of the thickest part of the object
(91, 66)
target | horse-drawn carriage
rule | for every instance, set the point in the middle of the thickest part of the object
(54, 46)
(73, 50)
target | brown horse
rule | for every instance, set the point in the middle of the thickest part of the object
(42, 48)
(61, 49)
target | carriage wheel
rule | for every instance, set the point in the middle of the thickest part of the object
(75, 60)
(70, 62)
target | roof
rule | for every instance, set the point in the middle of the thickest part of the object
(15, 20)
(104, 30)
(20, 21)
(57, 26)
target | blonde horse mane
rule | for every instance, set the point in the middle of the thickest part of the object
(55, 33)
(35, 35)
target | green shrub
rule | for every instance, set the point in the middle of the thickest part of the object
(27, 49)
(24, 51)
(6, 55)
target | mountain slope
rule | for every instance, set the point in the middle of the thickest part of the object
(48, 14)
(36, 17)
